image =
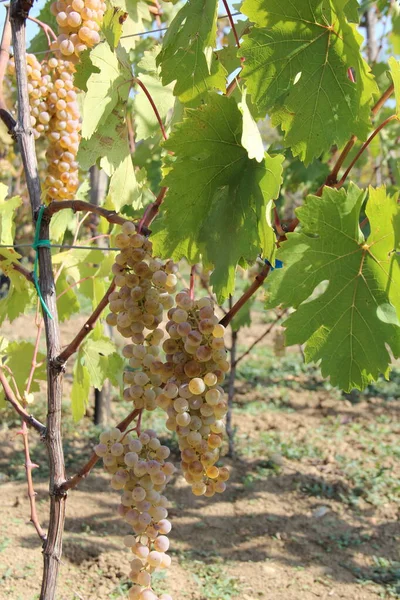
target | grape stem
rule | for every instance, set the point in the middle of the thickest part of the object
(11, 398)
(192, 281)
(364, 147)
(153, 106)
(257, 283)
(29, 466)
(333, 175)
(71, 483)
(73, 346)
(151, 212)
(232, 23)
(46, 28)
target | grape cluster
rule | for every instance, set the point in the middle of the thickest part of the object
(78, 26)
(63, 131)
(55, 114)
(141, 472)
(192, 396)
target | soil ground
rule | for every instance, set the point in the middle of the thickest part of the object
(311, 510)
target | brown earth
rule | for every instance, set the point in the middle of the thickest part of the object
(294, 524)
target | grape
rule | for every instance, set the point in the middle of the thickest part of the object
(197, 386)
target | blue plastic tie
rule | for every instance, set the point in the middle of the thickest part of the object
(278, 264)
(38, 243)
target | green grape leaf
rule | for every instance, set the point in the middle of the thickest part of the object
(345, 288)
(95, 353)
(138, 15)
(115, 367)
(105, 89)
(350, 8)
(219, 201)
(110, 147)
(59, 224)
(18, 357)
(39, 42)
(111, 25)
(7, 213)
(296, 62)
(395, 73)
(146, 124)
(84, 69)
(21, 294)
(67, 302)
(80, 387)
(187, 54)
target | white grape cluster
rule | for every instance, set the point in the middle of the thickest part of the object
(144, 290)
(55, 114)
(192, 396)
(141, 472)
(64, 125)
(39, 88)
(78, 26)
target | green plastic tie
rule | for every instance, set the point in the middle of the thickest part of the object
(38, 243)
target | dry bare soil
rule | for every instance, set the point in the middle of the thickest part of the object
(311, 510)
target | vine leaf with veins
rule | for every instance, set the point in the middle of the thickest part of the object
(350, 325)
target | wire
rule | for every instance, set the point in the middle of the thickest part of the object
(64, 246)
(141, 33)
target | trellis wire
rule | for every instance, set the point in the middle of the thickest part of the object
(142, 33)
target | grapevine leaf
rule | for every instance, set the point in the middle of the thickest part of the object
(84, 69)
(95, 353)
(296, 63)
(146, 124)
(104, 89)
(19, 360)
(218, 200)
(7, 213)
(80, 387)
(138, 14)
(350, 8)
(109, 145)
(21, 294)
(111, 25)
(395, 72)
(187, 55)
(59, 224)
(348, 325)
(67, 302)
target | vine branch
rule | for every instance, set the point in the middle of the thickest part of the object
(73, 346)
(71, 483)
(19, 268)
(257, 283)
(11, 398)
(29, 466)
(232, 23)
(364, 147)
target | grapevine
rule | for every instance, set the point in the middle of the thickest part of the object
(197, 185)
